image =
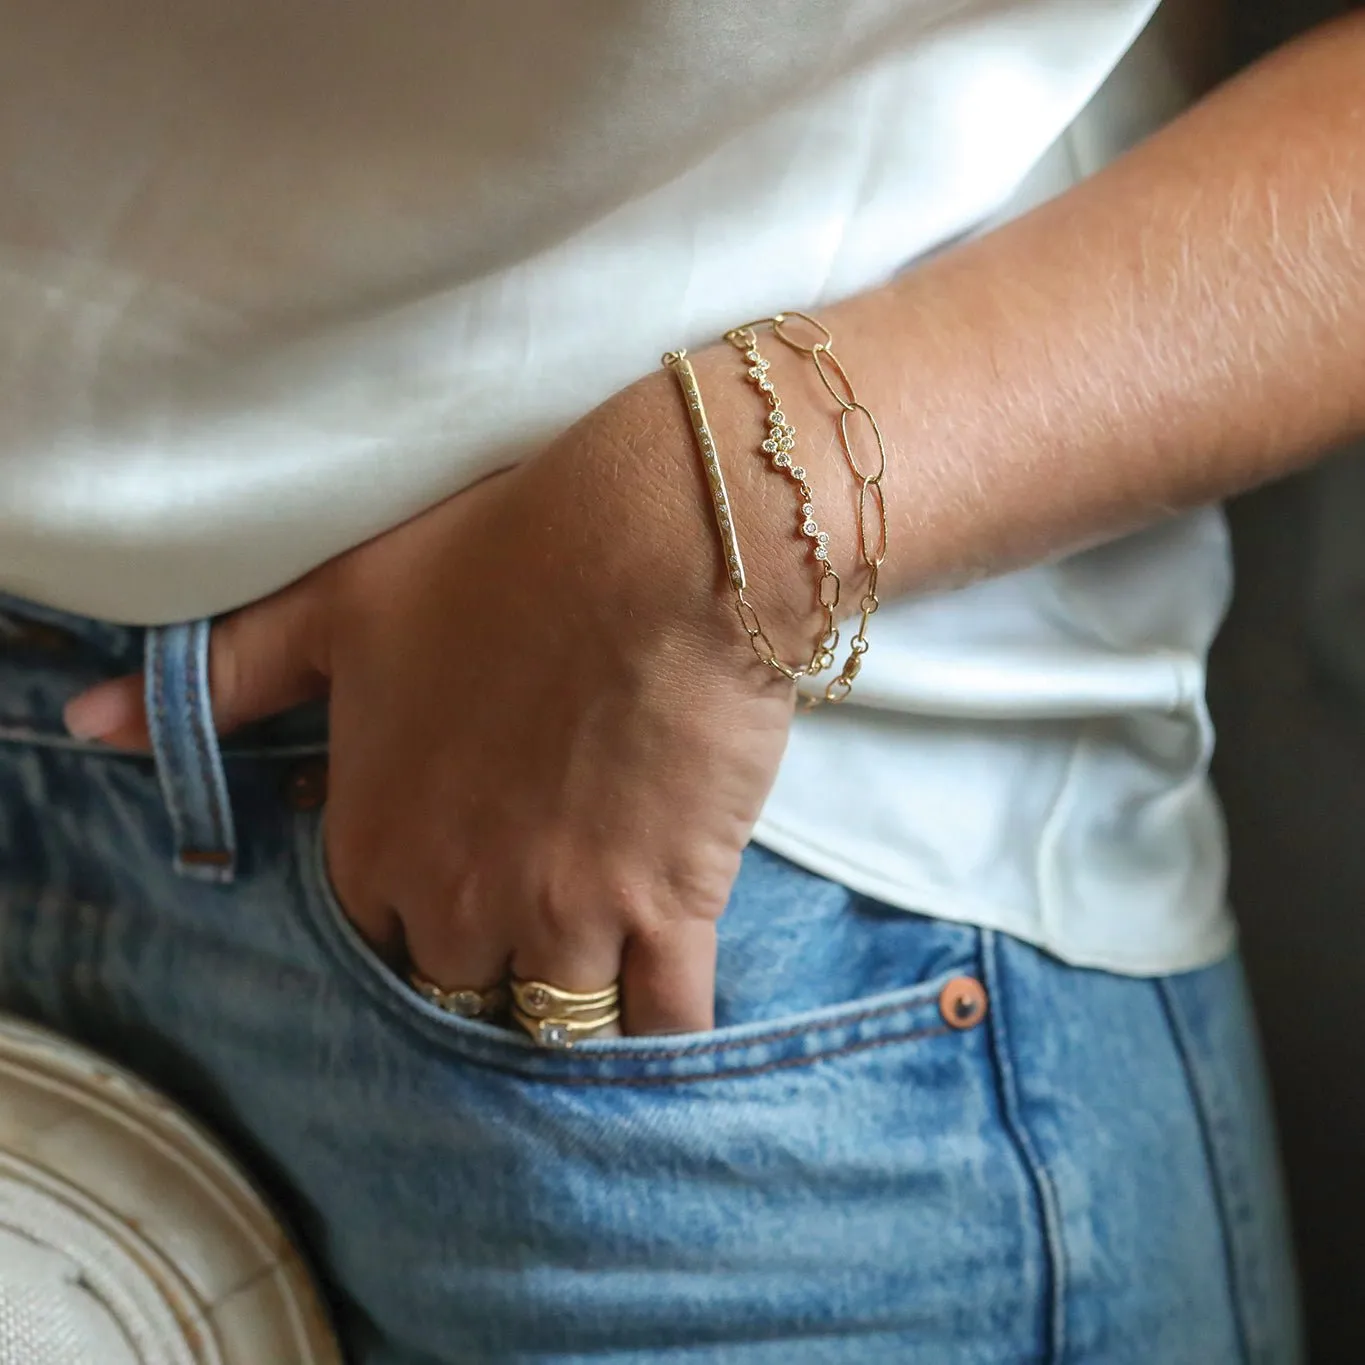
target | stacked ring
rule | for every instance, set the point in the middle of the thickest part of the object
(558, 1018)
(462, 1000)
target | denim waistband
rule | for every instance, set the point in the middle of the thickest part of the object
(47, 656)
(188, 762)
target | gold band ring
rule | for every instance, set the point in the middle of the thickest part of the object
(462, 1000)
(563, 1032)
(541, 1000)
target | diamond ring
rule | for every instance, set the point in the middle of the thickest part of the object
(461, 1000)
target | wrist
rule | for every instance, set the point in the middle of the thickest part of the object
(665, 557)
(793, 507)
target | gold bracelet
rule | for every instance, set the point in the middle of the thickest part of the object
(779, 443)
(678, 362)
(836, 381)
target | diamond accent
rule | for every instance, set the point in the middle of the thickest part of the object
(553, 1035)
(821, 552)
(798, 471)
(536, 998)
(766, 386)
(823, 537)
(776, 417)
(807, 510)
(752, 355)
(782, 460)
(770, 447)
(810, 528)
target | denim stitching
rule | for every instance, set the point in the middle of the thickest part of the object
(166, 769)
(1219, 1178)
(208, 770)
(396, 997)
(1049, 1210)
(781, 1035)
(781, 1064)
(328, 923)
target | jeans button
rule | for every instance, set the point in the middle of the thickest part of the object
(963, 1002)
(306, 788)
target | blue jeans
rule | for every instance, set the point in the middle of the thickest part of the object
(908, 1140)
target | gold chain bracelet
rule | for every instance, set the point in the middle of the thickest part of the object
(779, 443)
(836, 381)
(762, 646)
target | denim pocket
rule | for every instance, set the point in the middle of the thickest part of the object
(807, 970)
(818, 1181)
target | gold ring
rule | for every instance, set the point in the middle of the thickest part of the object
(462, 1000)
(541, 1000)
(564, 1033)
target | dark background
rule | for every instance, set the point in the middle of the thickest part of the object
(1287, 687)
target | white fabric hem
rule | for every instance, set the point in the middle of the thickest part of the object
(1203, 950)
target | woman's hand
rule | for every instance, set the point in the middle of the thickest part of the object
(549, 739)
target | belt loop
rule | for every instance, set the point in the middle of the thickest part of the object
(188, 762)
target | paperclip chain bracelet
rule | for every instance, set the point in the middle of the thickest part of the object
(762, 646)
(871, 500)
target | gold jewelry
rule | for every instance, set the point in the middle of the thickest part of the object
(836, 381)
(462, 1000)
(779, 442)
(558, 1018)
(541, 1000)
(564, 1033)
(748, 618)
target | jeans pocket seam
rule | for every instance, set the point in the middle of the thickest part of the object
(482, 1044)
(1224, 1177)
(757, 1069)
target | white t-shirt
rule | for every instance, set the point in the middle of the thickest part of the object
(274, 276)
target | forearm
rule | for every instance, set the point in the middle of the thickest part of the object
(1185, 324)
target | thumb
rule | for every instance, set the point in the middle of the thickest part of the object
(262, 660)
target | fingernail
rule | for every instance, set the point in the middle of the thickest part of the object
(98, 712)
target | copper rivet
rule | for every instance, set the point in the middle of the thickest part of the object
(963, 1002)
(307, 786)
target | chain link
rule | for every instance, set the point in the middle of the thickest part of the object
(872, 529)
(780, 443)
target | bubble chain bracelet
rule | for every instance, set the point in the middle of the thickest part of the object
(871, 500)
(678, 362)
